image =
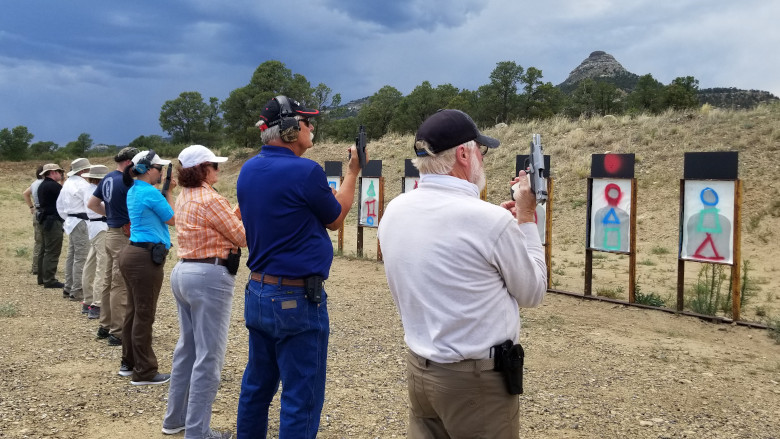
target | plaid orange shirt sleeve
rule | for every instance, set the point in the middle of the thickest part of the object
(206, 225)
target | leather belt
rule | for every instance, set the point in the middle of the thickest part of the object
(213, 261)
(460, 366)
(268, 279)
(146, 245)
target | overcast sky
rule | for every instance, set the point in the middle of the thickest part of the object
(106, 67)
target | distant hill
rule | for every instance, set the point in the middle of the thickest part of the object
(603, 67)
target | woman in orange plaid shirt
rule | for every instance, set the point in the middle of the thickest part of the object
(208, 230)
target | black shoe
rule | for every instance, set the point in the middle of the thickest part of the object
(113, 340)
(74, 298)
(125, 371)
(84, 308)
(160, 378)
(65, 294)
(54, 284)
(102, 333)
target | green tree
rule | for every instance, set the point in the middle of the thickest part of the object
(648, 95)
(145, 143)
(241, 110)
(42, 149)
(184, 116)
(423, 101)
(503, 80)
(14, 143)
(682, 93)
(79, 147)
(592, 98)
(378, 112)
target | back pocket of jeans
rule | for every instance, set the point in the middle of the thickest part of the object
(291, 315)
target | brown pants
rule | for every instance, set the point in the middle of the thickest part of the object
(445, 403)
(143, 279)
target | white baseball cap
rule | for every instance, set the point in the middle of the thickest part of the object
(194, 155)
(156, 160)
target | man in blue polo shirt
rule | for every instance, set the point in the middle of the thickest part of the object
(110, 200)
(286, 206)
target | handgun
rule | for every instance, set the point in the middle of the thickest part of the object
(360, 145)
(534, 168)
(167, 182)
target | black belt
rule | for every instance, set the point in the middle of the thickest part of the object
(81, 215)
(146, 245)
(213, 261)
(102, 218)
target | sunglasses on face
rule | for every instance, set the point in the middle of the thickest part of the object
(215, 166)
(307, 122)
(483, 150)
(157, 167)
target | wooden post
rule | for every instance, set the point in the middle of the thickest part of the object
(736, 272)
(548, 232)
(680, 261)
(341, 230)
(588, 252)
(632, 246)
(379, 214)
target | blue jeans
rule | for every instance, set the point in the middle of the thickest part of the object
(288, 341)
(204, 295)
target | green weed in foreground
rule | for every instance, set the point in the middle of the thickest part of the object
(650, 299)
(22, 252)
(9, 310)
(612, 293)
(658, 250)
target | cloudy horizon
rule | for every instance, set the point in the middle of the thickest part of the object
(106, 68)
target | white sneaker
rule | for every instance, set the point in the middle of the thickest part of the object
(172, 430)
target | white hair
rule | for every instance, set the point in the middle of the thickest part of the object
(437, 163)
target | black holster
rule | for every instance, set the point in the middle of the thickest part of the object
(508, 359)
(233, 261)
(159, 253)
(312, 286)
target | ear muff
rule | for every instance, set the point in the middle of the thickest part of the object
(288, 124)
(143, 165)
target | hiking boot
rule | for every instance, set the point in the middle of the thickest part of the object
(126, 371)
(173, 430)
(54, 284)
(113, 340)
(102, 333)
(84, 308)
(160, 378)
(94, 312)
(65, 294)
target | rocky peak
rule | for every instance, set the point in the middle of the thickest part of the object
(599, 64)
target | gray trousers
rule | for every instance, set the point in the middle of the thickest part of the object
(78, 249)
(204, 296)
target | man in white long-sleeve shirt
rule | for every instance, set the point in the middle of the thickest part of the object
(459, 269)
(70, 206)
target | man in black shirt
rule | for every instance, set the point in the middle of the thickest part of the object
(51, 226)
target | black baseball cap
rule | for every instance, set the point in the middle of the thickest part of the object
(447, 129)
(273, 112)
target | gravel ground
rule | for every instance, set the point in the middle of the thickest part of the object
(593, 369)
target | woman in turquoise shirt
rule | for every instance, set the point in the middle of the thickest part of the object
(142, 265)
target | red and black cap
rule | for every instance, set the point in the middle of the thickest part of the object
(447, 129)
(282, 107)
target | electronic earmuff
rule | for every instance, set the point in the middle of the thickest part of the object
(288, 124)
(145, 163)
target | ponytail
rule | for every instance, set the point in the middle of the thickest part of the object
(127, 175)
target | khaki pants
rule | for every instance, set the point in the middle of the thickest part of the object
(113, 297)
(445, 403)
(38, 246)
(78, 249)
(94, 278)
